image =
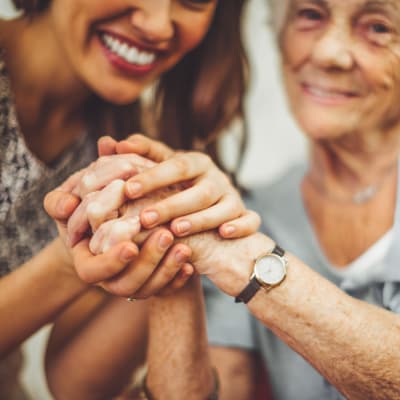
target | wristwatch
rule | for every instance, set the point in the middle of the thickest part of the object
(269, 271)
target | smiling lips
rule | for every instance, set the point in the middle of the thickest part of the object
(328, 95)
(125, 55)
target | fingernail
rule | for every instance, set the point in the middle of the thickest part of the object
(181, 257)
(150, 217)
(165, 241)
(229, 229)
(133, 188)
(183, 227)
(127, 253)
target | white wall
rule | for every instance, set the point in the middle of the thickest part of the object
(6, 9)
(274, 140)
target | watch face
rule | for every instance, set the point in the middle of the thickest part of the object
(270, 269)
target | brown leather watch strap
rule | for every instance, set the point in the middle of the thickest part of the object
(248, 292)
(278, 251)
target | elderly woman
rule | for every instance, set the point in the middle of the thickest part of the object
(326, 326)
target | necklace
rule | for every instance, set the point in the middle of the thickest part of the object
(358, 197)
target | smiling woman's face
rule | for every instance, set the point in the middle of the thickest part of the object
(118, 47)
(341, 65)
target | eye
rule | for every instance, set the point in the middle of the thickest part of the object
(379, 28)
(377, 31)
(197, 3)
(308, 18)
(309, 14)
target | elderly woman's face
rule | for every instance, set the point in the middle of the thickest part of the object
(341, 64)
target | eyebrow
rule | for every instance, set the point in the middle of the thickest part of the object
(393, 5)
(321, 3)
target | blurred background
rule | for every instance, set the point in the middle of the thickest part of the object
(274, 143)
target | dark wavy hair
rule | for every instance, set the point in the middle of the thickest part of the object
(197, 98)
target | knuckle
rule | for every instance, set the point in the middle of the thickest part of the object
(138, 136)
(168, 272)
(84, 275)
(207, 194)
(202, 157)
(182, 165)
(200, 223)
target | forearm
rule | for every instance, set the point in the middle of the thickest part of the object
(353, 344)
(178, 359)
(94, 350)
(34, 294)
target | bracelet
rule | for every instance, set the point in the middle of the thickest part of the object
(146, 395)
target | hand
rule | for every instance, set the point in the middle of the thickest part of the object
(87, 182)
(159, 268)
(227, 263)
(209, 200)
(121, 268)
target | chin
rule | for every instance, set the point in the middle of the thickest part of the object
(119, 94)
(322, 127)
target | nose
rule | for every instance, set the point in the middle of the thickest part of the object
(153, 20)
(334, 49)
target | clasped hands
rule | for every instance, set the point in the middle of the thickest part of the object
(124, 219)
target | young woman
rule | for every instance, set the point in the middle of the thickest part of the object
(71, 69)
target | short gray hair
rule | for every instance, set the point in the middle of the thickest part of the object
(279, 9)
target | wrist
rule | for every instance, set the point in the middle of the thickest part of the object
(65, 264)
(229, 263)
(191, 289)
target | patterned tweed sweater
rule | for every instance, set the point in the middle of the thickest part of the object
(25, 227)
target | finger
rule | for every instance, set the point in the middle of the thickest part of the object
(60, 205)
(199, 197)
(113, 232)
(139, 271)
(180, 280)
(106, 204)
(108, 168)
(248, 223)
(106, 146)
(146, 147)
(181, 167)
(72, 181)
(95, 208)
(96, 268)
(229, 207)
(166, 272)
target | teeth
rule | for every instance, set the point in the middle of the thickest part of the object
(324, 93)
(130, 54)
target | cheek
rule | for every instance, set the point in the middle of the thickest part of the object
(382, 74)
(193, 30)
(381, 70)
(295, 47)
